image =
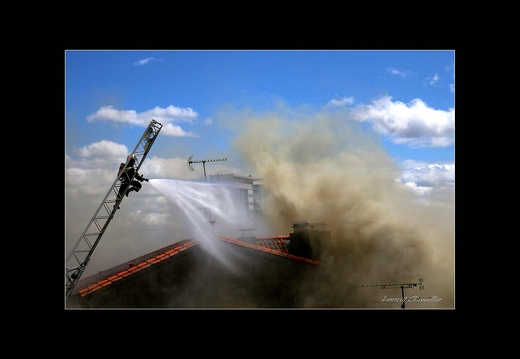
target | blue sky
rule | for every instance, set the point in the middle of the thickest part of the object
(205, 81)
(407, 97)
(403, 100)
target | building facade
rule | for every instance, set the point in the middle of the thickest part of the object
(249, 192)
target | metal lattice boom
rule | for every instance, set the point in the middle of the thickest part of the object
(79, 257)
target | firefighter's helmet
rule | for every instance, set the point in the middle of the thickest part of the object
(131, 159)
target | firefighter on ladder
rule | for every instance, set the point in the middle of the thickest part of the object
(127, 176)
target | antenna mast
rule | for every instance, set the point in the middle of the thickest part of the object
(207, 213)
(203, 164)
(396, 285)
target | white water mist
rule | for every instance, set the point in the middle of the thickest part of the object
(210, 209)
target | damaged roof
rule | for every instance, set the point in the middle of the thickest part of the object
(274, 246)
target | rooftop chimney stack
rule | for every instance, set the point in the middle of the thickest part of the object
(308, 239)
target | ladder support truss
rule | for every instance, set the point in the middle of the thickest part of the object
(80, 255)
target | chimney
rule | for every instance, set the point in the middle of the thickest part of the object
(308, 239)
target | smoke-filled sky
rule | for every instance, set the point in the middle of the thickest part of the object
(360, 140)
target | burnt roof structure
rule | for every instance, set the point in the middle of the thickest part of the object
(261, 272)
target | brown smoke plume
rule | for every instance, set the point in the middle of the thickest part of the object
(325, 168)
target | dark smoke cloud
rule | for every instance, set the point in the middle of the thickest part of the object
(326, 168)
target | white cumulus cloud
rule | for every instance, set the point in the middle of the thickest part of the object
(414, 123)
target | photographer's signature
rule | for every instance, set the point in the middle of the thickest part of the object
(413, 298)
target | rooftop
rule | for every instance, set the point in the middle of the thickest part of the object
(266, 264)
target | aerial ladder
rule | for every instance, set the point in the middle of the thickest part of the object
(80, 255)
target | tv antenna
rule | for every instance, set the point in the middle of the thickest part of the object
(203, 164)
(396, 285)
